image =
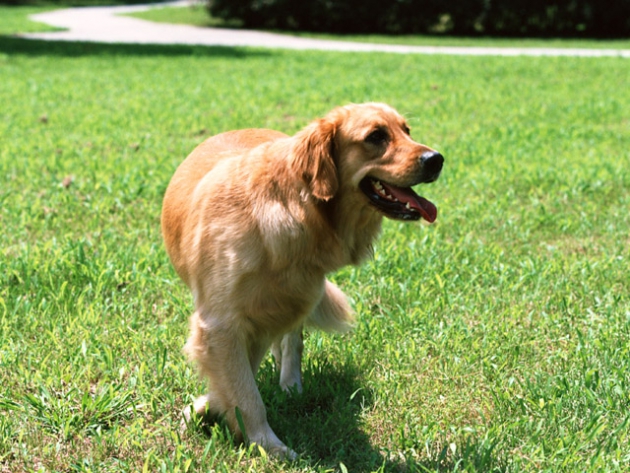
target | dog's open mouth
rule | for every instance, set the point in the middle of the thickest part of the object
(400, 203)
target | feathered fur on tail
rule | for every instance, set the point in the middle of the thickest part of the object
(333, 312)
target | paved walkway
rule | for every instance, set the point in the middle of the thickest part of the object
(102, 24)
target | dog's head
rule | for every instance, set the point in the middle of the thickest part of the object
(367, 150)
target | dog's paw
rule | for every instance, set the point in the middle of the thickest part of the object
(272, 445)
(197, 412)
(284, 453)
(188, 419)
(280, 452)
(292, 385)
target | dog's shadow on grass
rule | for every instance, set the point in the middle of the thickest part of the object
(323, 423)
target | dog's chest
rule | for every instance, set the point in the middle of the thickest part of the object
(294, 236)
(277, 300)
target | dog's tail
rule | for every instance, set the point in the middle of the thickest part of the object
(333, 312)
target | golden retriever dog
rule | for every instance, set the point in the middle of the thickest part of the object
(253, 220)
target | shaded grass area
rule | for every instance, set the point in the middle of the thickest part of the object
(39, 48)
(197, 15)
(496, 340)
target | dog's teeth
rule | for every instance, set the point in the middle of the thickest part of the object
(408, 207)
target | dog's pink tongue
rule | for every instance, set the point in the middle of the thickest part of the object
(407, 196)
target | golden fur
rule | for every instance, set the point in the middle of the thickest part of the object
(253, 220)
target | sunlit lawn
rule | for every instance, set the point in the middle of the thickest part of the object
(14, 19)
(497, 339)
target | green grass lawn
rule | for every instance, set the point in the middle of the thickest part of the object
(14, 19)
(497, 339)
(195, 15)
(198, 16)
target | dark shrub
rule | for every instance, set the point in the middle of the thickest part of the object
(574, 18)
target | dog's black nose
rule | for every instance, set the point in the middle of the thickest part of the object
(432, 162)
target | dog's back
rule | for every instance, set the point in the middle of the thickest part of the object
(201, 161)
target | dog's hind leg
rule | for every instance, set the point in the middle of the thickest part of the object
(288, 354)
(332, 313)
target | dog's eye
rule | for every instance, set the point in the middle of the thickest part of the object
(406, 129)
(377, 137)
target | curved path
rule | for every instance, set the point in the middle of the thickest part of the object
(102, 24)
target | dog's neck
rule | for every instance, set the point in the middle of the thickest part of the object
(356, 227)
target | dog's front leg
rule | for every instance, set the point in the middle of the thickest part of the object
(288, 354)
(229, 361)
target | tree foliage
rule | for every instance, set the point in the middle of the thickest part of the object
(570, 18)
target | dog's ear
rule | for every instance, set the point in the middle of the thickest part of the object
(313, 158)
